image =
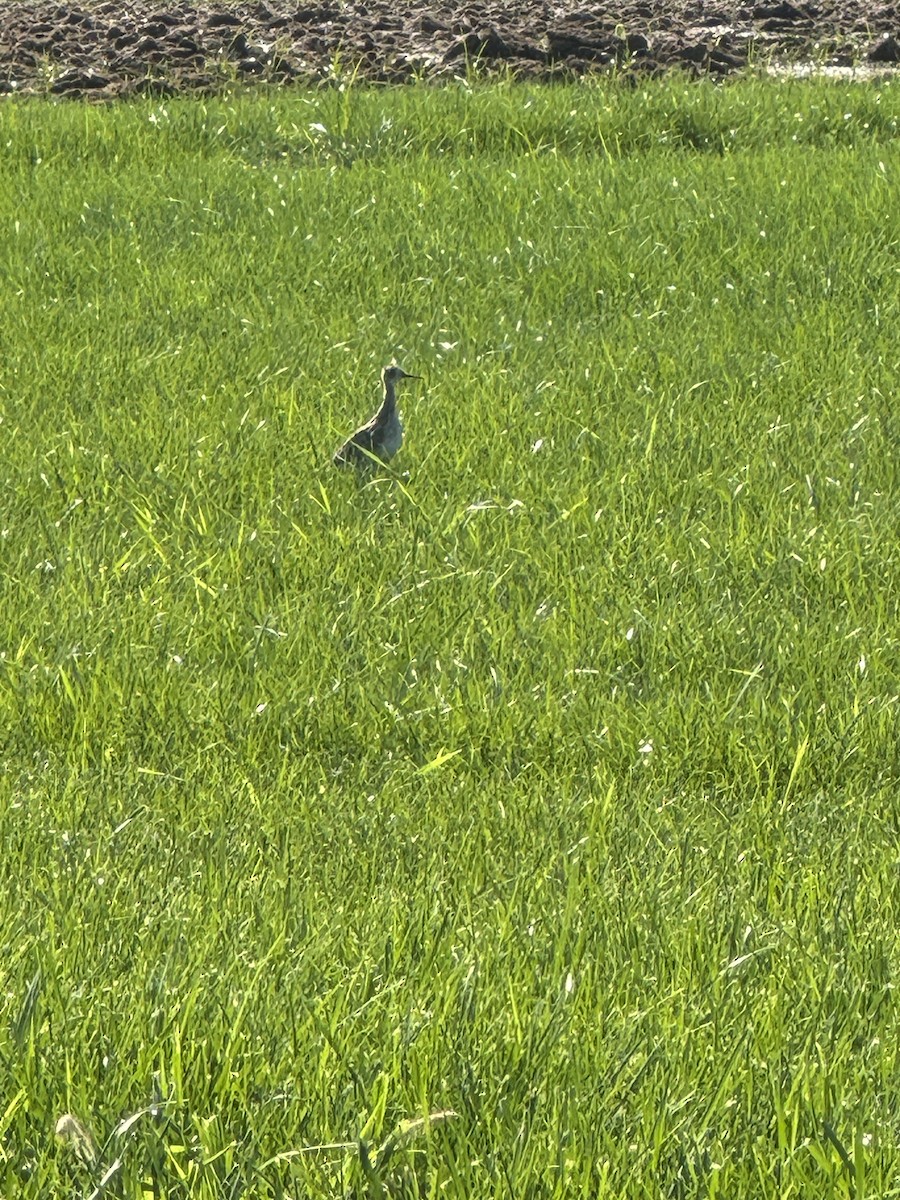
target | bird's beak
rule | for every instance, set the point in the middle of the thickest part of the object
(406, 375)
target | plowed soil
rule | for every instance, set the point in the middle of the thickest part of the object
(101, 50)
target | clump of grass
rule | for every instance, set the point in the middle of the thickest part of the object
(73, 1133)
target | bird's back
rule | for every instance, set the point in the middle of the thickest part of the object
(353, 452)
(380, 438)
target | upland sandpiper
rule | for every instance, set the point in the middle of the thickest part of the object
(381, 437)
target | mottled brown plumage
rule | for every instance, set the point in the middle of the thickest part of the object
(381, 437)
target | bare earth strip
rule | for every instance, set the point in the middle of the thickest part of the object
(107, 49)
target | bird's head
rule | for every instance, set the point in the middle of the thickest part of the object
(393, 374)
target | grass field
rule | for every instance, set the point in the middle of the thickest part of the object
(550, 780)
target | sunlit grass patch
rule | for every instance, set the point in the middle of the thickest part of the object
(548, 779)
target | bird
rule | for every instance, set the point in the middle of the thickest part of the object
(381, 437)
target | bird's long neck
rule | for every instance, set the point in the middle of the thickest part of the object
(389, 403)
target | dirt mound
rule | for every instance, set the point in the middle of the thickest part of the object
(106, 49)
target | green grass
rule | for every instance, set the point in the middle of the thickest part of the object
(555, 782)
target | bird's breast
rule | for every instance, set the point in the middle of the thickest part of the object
(393, 435)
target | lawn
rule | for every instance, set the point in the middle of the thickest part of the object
(518, 822)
